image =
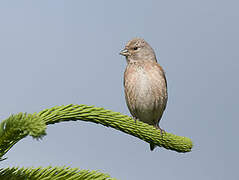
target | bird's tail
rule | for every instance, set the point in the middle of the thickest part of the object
(152, 146)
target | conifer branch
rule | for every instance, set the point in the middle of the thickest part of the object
(20, 125)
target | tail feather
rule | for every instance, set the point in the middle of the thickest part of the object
(152, 146)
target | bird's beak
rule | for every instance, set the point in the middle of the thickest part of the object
(124, 52)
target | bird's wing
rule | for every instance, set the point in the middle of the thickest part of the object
(162, 72)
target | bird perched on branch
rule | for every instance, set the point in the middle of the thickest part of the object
(145, 85)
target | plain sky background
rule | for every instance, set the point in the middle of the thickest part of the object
(61, 52)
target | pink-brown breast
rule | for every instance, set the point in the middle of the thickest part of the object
(145, 91)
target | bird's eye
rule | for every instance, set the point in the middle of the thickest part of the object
(135, 48)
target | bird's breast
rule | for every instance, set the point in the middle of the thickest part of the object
(141, 85)
(145, 91)
(145, 80)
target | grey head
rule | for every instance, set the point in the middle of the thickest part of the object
(138, 49)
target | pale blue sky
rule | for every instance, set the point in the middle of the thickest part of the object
(61, 52)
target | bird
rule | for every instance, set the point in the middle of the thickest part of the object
(145, 84)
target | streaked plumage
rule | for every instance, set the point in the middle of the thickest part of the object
(145, 84)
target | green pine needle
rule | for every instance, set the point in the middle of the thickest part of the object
(51, 173)
(20, 125)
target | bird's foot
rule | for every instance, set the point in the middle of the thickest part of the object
(135, 119)
(161, 131)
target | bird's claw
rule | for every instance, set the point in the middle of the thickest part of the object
(162, 131)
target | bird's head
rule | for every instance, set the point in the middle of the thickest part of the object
(138, 49)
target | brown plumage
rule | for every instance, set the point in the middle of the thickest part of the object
(145, 84)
